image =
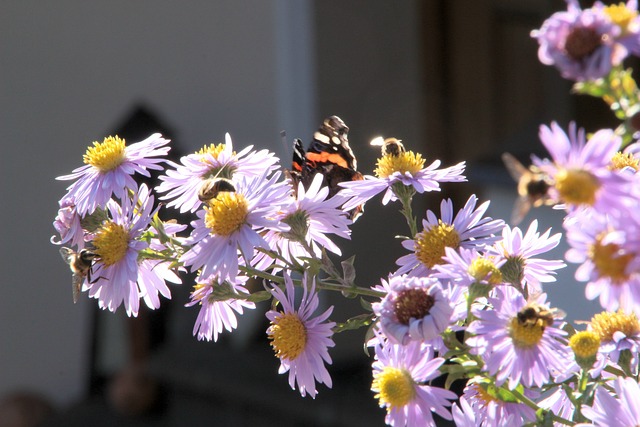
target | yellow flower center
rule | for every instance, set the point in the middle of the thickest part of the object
(226, 213)
(577, 186)
(413, 304)
(609, 260)
(288, 336)
(213, 149)
(403, 162)
(111, 243)
(621, 160)
(106, 155)
(605, 324)
(621, 15)
(395, 387)
(585, 344)
(483, 269)
(527, 334)
(430, 243)
(216, 171)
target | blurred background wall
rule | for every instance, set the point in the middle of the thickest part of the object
(454, 79)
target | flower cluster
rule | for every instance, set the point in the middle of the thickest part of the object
(466, 301)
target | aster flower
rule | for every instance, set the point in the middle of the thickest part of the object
(109, 168)
(218, 307)
(468, 230)
(491, 409)
(68, 225)
(580, 169)
(582, 44)
(625, 17)
(121, 276)
(231, 224)
(619, 333)
(464, 267)
(299, 340)
(514, 345)
(404, 169)
(608, 254)
(559, 404)
(310, 216)
(211, 162)
(400, 374)
(414, 308)
(522, 268)
(621, 409)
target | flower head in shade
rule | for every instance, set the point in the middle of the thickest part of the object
(218, 307)
(121, 277)
(582, 44)
(619, 409)
(68, 225)
(183, 183)
(522, 267)
(109, 168)
(618, 332)
(301, 341)
(468, 229)
(400, 373)
(232, 224)
(608, 254)
(415, 308)
(311, 217)
(396, 170)
(518, 340)
(491, 407)
(580, 169)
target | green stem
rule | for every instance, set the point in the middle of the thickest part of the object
(350, 289)
(405, 194)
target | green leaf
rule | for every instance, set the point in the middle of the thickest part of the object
(349, 271)
(353, 323)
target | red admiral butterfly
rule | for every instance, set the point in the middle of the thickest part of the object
(329, 154)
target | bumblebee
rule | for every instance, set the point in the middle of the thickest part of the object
(81, 264)
(391, 146)
(534, 314)
(210, 188)
(533, 187)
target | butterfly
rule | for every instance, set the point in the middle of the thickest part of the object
(329, 154)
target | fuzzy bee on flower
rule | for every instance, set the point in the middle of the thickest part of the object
(81, 265)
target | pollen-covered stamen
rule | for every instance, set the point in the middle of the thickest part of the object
(610, 260)
(526, 334)
(412, 304)
(430, 244)
(106, 155)
(395, 387)
(404, 162)
(577, 186)
(624, 160)
(621, 15)
(484, 270)
(298, 222)
(213, 149)
(226, 213)
(605, 324)
(585, 344)
(111, 243)
(288, 336)
(582, 42)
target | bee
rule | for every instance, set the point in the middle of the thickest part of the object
(533, 187)
(80, 264)
(210, 188)
(534, 314)
(390, 146)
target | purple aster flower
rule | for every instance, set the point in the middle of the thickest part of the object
(211, 162)
(580, 169)
(466, 266)
(404, 168)
(121, 277)
(491, 410)
(618, 332)
(109, 168)
(415, 308)
(299, 340)
(515, 342)
(523, 268)
(559, 403)
(625, 17)
(218, 307)
(468, 230)
(232, 224)
(67, 224)
(607, 253)
(400, 375)
(582, 44)
(310, 216)
(465, 415)
(619, 409)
